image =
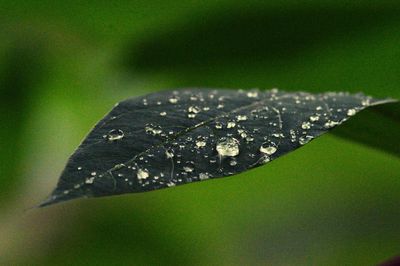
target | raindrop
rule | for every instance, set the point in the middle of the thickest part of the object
(231, 124)
(306, 125)
(330, 124)
(228, 147)
(365, 102)
(268, 149)
(142, 174)
(154, 130)
(203, 176)
(252, 94)
(188, 169)
(169, 154)
(241, 117)
(305, 140)
(173, 100)
(171, 184)
(194, 109)
(114, 134)
(200, 143)
(218, 125)
(351, 112)
(314, 118)
(89, 180)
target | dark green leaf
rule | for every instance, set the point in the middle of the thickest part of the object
(178, 137)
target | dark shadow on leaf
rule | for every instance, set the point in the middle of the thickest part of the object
(378, 127)
(252, 36)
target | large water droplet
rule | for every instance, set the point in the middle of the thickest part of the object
(228, 147)
(114, 134)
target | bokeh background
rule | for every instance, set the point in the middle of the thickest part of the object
(64, 64)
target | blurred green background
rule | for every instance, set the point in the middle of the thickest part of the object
(63, 65)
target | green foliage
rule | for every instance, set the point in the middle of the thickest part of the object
(64, 64)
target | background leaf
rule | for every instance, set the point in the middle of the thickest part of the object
(84, 57)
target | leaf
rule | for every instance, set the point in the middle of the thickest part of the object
(177, 137)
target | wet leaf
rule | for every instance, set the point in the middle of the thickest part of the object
(177, 137)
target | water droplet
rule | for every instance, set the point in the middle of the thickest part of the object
(188, 169)
(241, 117)
(203, 176)
(169, 154)
(305, 140)
(79, 168)
(351, 112)
(154, 130)
(200, 143)
(218, 125)
(249, 139)
(114, 134)
(163, 113)
(89, 180)
(265, 159)
(231, 124)
(173, 100)
(365, 102)
(228, 147)
(314, 118)
(306, 125)
(268, 149)
(330, 124)
(252, 94)
(142, 174)
(194, 109)
(171, 184)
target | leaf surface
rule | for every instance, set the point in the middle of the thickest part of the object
(177, 137)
